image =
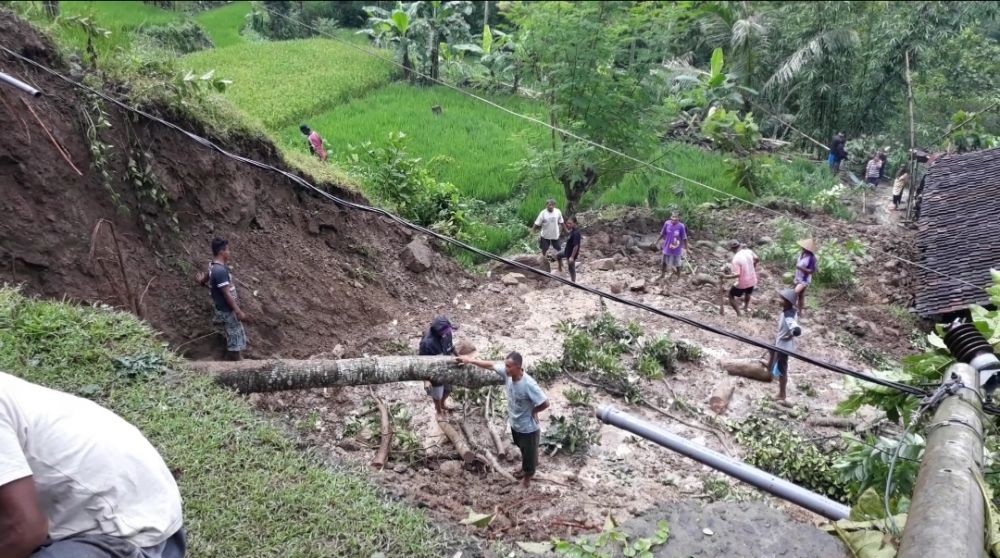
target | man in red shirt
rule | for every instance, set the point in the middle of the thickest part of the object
(315, 142)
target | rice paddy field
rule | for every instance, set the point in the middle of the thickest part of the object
(224, 24)
(282, 83)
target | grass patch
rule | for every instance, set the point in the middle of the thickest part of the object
(247, 490)
(481, 141)
(224, 24)
(281, 83)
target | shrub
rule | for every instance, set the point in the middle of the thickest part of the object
(180, 37)
(407, 185)
(571, 434)
(687, 352)
(578, 397)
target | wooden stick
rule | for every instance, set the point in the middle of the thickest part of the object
(494, 464)
(835, 422)
(385, 443)
(721, 395)
(53, 139)
(487, 413)
(456, 440)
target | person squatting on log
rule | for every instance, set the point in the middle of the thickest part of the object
(437, 342)
(77, 481)
(524, 401)
(788, 332)
(744, 269)
(224, 297)
(805, 267)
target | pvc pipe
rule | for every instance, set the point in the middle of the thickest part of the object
(737, 469)
(11, 80)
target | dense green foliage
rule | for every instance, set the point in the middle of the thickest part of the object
(224, 24)
(278, 500)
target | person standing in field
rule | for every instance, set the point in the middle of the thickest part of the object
(675, 244)
(873, 170)
(838, 152)
(788, 332)
(898, 185)
(438, 341)
(524, 401)
(549, 221)
(315, 142)
(805, 268)
(224, 297)
(571, 250)
(744, 270)
(78, 481)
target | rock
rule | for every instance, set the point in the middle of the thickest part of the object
(312, 226)
(638, 285)
(464, 347)
(617, 288)
(704, 279)
(417, 256)
(764, 241)
(892, 264)
(707, 244)
(512, 278)
(536, 261)
(604, 264)
(635, 250)
(649, 242)
(401, 468)
(451, 468)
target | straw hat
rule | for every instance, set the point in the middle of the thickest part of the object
(789, 295)
(808, 244)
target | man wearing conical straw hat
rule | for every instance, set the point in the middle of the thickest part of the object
(805, 267)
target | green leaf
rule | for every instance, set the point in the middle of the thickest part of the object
(870, 506)
(934, 340)
(717, 62)
(478, 519)
(487, 39)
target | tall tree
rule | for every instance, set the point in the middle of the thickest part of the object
(592, 72)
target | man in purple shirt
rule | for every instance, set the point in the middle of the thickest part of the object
(675, 243)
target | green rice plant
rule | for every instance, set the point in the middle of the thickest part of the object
(282, 83)
(224, 24)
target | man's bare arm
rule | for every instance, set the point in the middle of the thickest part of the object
(23, 526)
(232, 304)
(487, 364)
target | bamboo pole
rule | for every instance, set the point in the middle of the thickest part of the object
(947, 514)
(913, 139)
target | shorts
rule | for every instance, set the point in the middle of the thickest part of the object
(736, 292)
(438, 393)
(236, 334)
(781, 363)
(545, 243)
(106, 546)
(873, 180)
(672, 260)
(834, 162)
(528, 444)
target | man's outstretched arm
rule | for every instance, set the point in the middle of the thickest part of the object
(23, 526)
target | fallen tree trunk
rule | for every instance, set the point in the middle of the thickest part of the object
(748, 368)
(457, 440)
(382, 457)
(259, 376)
(723, 393)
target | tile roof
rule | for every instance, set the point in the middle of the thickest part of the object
(959, 231)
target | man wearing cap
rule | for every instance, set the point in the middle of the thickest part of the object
(805, 268)
(744, 270)
(675, 243)
(438, 341)
(549, 220)
(788, 332)
(224, 297)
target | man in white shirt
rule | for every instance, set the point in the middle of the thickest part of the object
(77, 481)
(550, 220)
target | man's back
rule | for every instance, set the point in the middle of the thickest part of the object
(94, 472)
(743, 265)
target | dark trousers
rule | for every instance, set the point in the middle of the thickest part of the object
(104, 546)
(571, 263)
(528, 444)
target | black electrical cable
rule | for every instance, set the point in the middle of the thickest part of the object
(905, 388)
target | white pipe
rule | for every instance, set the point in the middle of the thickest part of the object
(11, 80)
(751, 475)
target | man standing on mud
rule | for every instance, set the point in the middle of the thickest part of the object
(572, 249)
(744, 270)
(788, 331)
(675, 243)
(549, 220)
(227, 309)
(524, 401)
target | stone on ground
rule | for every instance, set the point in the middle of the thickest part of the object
(417, 256)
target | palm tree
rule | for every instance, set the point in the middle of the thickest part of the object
(394, 28)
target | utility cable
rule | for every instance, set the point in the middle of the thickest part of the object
(904, 388)
(601, 146)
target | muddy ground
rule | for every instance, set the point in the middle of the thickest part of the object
(630, 478)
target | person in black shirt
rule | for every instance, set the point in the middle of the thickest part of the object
(838, 151)
(436, 342)
(224, 297)
(571, 249)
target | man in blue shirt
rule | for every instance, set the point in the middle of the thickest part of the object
(524, 401)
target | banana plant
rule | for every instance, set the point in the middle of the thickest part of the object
(394, 29)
